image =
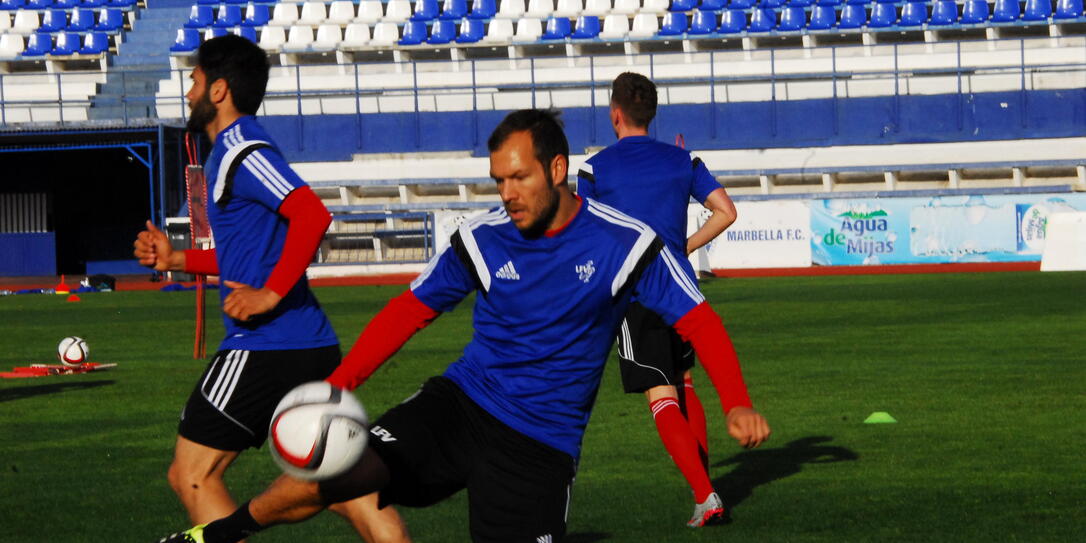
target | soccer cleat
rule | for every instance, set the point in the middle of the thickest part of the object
(709, 512)
(192, 535)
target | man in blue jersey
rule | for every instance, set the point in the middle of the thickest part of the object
(553, 273)
(267, 224)
(654, 182)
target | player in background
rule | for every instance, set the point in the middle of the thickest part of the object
(267, 224)
(654, 182)
(554, 273)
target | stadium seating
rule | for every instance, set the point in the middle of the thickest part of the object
(425, 10)
(370, 11)
(329, 36)
(913, 14)
(95, 43)
(703, 22)
(615, 27)
(200, 17)
(1037, 10)
(67, 44)
(558, 28)
(599, 8)
(188, 39)
(644, 25)
(511, 9)
(471, 31)
(483, 9)
(443, 31)
(974, 12)
(385, 34)
(1069, 9)
(110, 20)
(1006, 11)
(529, 29)
(228, 16)
(714, 5)
(82, 19)
(272, 38)
(762, 20)
(854, 16)
(397, 11)
(732, 21)
(414, 33)
(54, 20)
(499, 31)
(883, 15)
(628, 7)
(355, 35)
(340, 12)
(568, 8)
(11, 46)
(540, 9)
(284, 14)
(313, 13)
(454, 10)
(792, 18)
(944, 12)
(823, 17)
(674, 24)
(683, 5)
(588, 27)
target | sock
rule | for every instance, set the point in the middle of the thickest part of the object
(239, 525)
(681, 445)
(695, 415)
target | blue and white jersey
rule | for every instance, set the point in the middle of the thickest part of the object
(547, 310)
(652, 181)
(249, 234)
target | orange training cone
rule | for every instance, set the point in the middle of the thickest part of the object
(73, 298)
(61, 287)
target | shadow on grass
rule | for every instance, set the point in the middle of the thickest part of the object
(763, 466)
(18, 393)
(586, 537)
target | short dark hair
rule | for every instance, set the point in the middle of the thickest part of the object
(545, 126)
(635, 95)
(241, 63)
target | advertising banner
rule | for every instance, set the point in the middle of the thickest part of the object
(941, 229)
(765, 235)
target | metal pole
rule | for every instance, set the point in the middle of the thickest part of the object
(358, 105)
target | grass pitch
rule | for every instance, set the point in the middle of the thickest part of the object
(984, 373)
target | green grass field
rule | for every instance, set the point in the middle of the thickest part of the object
(985, 373)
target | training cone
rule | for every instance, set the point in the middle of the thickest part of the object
(879, 417)
(73, 298)
(62, 288)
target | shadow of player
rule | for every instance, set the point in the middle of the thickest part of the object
(762, 466)
(18, 393)
(586, 537)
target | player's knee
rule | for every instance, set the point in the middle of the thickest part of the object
(185, 480)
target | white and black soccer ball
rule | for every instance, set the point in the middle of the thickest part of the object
(318, 431)
(73, 351)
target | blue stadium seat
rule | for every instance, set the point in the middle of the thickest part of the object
(483, 9)
(1037, 10)
(200, 17)
(800, 3)
(66, 4)
(67, 44)
(674, 24)
(122, 3)
(95, 43)
(1006, 11)
(913, 14)
(93, 3)
(762, 20)
(39, 4)
(425, 10)
(414, 33)
(256, 15)
(587, 28)
(712, 5)
(853, 16)
(12, 5)
(733, 21)
(704, 23)
(188, 39)
(683, 5)
(770, 3)
(442, 32)
(471, 30)
(229, 16)
(864, 2)
(558, 28)
(241, 3)
(38, 44)
(823, 17)
(208, 2)
(944, 12)
(884, 15)
(828, 2)
(110, 20)
(215, 32)
(792, 18)
(247, 32)
(740, 4)
(974, 12)
(454, 10)
(54, 20)
(1068, 9)
(82, 19)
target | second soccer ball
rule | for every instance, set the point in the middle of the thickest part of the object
(318, 431)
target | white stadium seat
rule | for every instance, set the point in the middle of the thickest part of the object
(397, 11)
(313, 13)
(645, 25)
(356, 35)
(499, 31)
(5, 22)
(615, 27)
(11, 45)
(300, 36)
(370, 11)
(599, 8)
(540, 9)
(569, 8)
(528, 29)
(654, 6)
(385, 33)
(272, 38)
(341, 12)
(328, 36)
(627, 7)
(26, 21)
(284, 14)
(511, 9)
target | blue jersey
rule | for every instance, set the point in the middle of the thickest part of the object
(249, 234)
(547, 310)
(652, 181)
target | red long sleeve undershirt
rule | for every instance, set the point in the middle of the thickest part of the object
(307, 219)
(702, 327)
(384, 335)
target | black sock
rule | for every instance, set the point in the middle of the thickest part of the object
(237, 526)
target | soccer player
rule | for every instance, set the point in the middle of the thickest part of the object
(654, 182)
(267, 224)
(553, 273)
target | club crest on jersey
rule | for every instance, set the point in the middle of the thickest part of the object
(585, 271)
(508, 272)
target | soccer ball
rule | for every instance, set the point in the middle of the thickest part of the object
(73, 351)
(318, 431)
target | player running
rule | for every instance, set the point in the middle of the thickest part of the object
(654, 182)
(554, 274)
(267, 224)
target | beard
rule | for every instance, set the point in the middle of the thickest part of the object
(540, 225)
(201, 114)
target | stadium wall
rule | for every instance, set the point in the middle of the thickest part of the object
(736, 125)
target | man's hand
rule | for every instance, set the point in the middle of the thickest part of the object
(245, 301)
(152, 249)
(747, 426)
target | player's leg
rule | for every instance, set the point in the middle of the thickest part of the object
(196, 476)
(678, 439)
(695, 413)
(373, 524)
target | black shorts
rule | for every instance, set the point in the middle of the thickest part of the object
(650, 352)
(439, 441)
(232, 404)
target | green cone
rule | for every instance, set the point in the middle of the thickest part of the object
(879, 417)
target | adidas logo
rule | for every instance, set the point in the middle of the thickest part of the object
(508, 272)
(544, 539)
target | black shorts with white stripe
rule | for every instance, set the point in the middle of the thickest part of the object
(650, 352)
(232, 404)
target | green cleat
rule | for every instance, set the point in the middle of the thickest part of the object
(192, 535)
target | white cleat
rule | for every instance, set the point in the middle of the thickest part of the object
(709, 512)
